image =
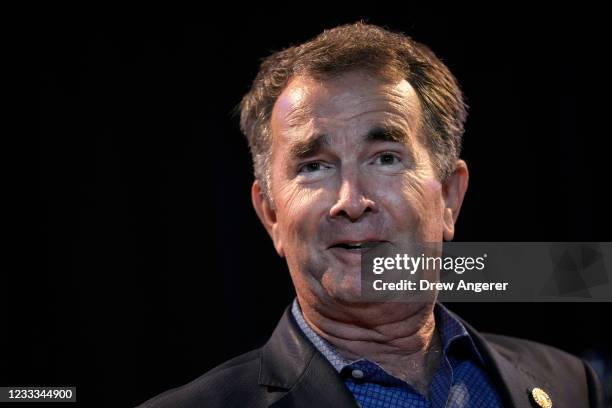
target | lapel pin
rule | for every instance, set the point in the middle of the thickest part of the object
(541, 398)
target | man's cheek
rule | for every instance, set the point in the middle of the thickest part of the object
(295, 199)
(409, 205)
(423, 193)
(297, 233)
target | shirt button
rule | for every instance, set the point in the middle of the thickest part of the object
(357, 374)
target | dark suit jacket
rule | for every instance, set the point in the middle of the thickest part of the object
(288, 371)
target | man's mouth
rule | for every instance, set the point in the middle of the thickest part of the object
(350, 251)
(349, 246)
(356, 246)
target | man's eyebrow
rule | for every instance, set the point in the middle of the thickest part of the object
(306, 148)
(386, 134)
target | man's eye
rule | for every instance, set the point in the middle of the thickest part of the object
(387, 159)
(311, 167)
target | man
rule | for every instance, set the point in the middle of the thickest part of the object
(355, 137)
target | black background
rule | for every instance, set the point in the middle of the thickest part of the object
(153, 267)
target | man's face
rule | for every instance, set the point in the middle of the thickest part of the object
(349, 167)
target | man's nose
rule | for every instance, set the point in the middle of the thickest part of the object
(353, 202)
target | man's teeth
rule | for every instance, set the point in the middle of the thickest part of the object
(352, 246)
(355, 245)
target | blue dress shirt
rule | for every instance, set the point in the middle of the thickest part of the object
(460, 381)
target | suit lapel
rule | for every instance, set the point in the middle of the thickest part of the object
(320, 386)
(512, 383)
(291, 364)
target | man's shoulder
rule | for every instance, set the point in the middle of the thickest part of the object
(217, 387)
(551, 367)
(528, 353)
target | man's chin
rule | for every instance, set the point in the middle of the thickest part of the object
(343, 287)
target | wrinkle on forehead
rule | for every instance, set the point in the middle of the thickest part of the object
(306, 102)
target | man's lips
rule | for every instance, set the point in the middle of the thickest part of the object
(349, 252)
(356, 245)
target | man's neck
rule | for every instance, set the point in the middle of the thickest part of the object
(401, 338)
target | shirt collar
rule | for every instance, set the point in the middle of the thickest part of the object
(452, 332)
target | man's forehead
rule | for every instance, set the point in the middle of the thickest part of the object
(344, 97)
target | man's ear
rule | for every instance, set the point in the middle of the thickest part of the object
(453, 191)
(267, 215)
